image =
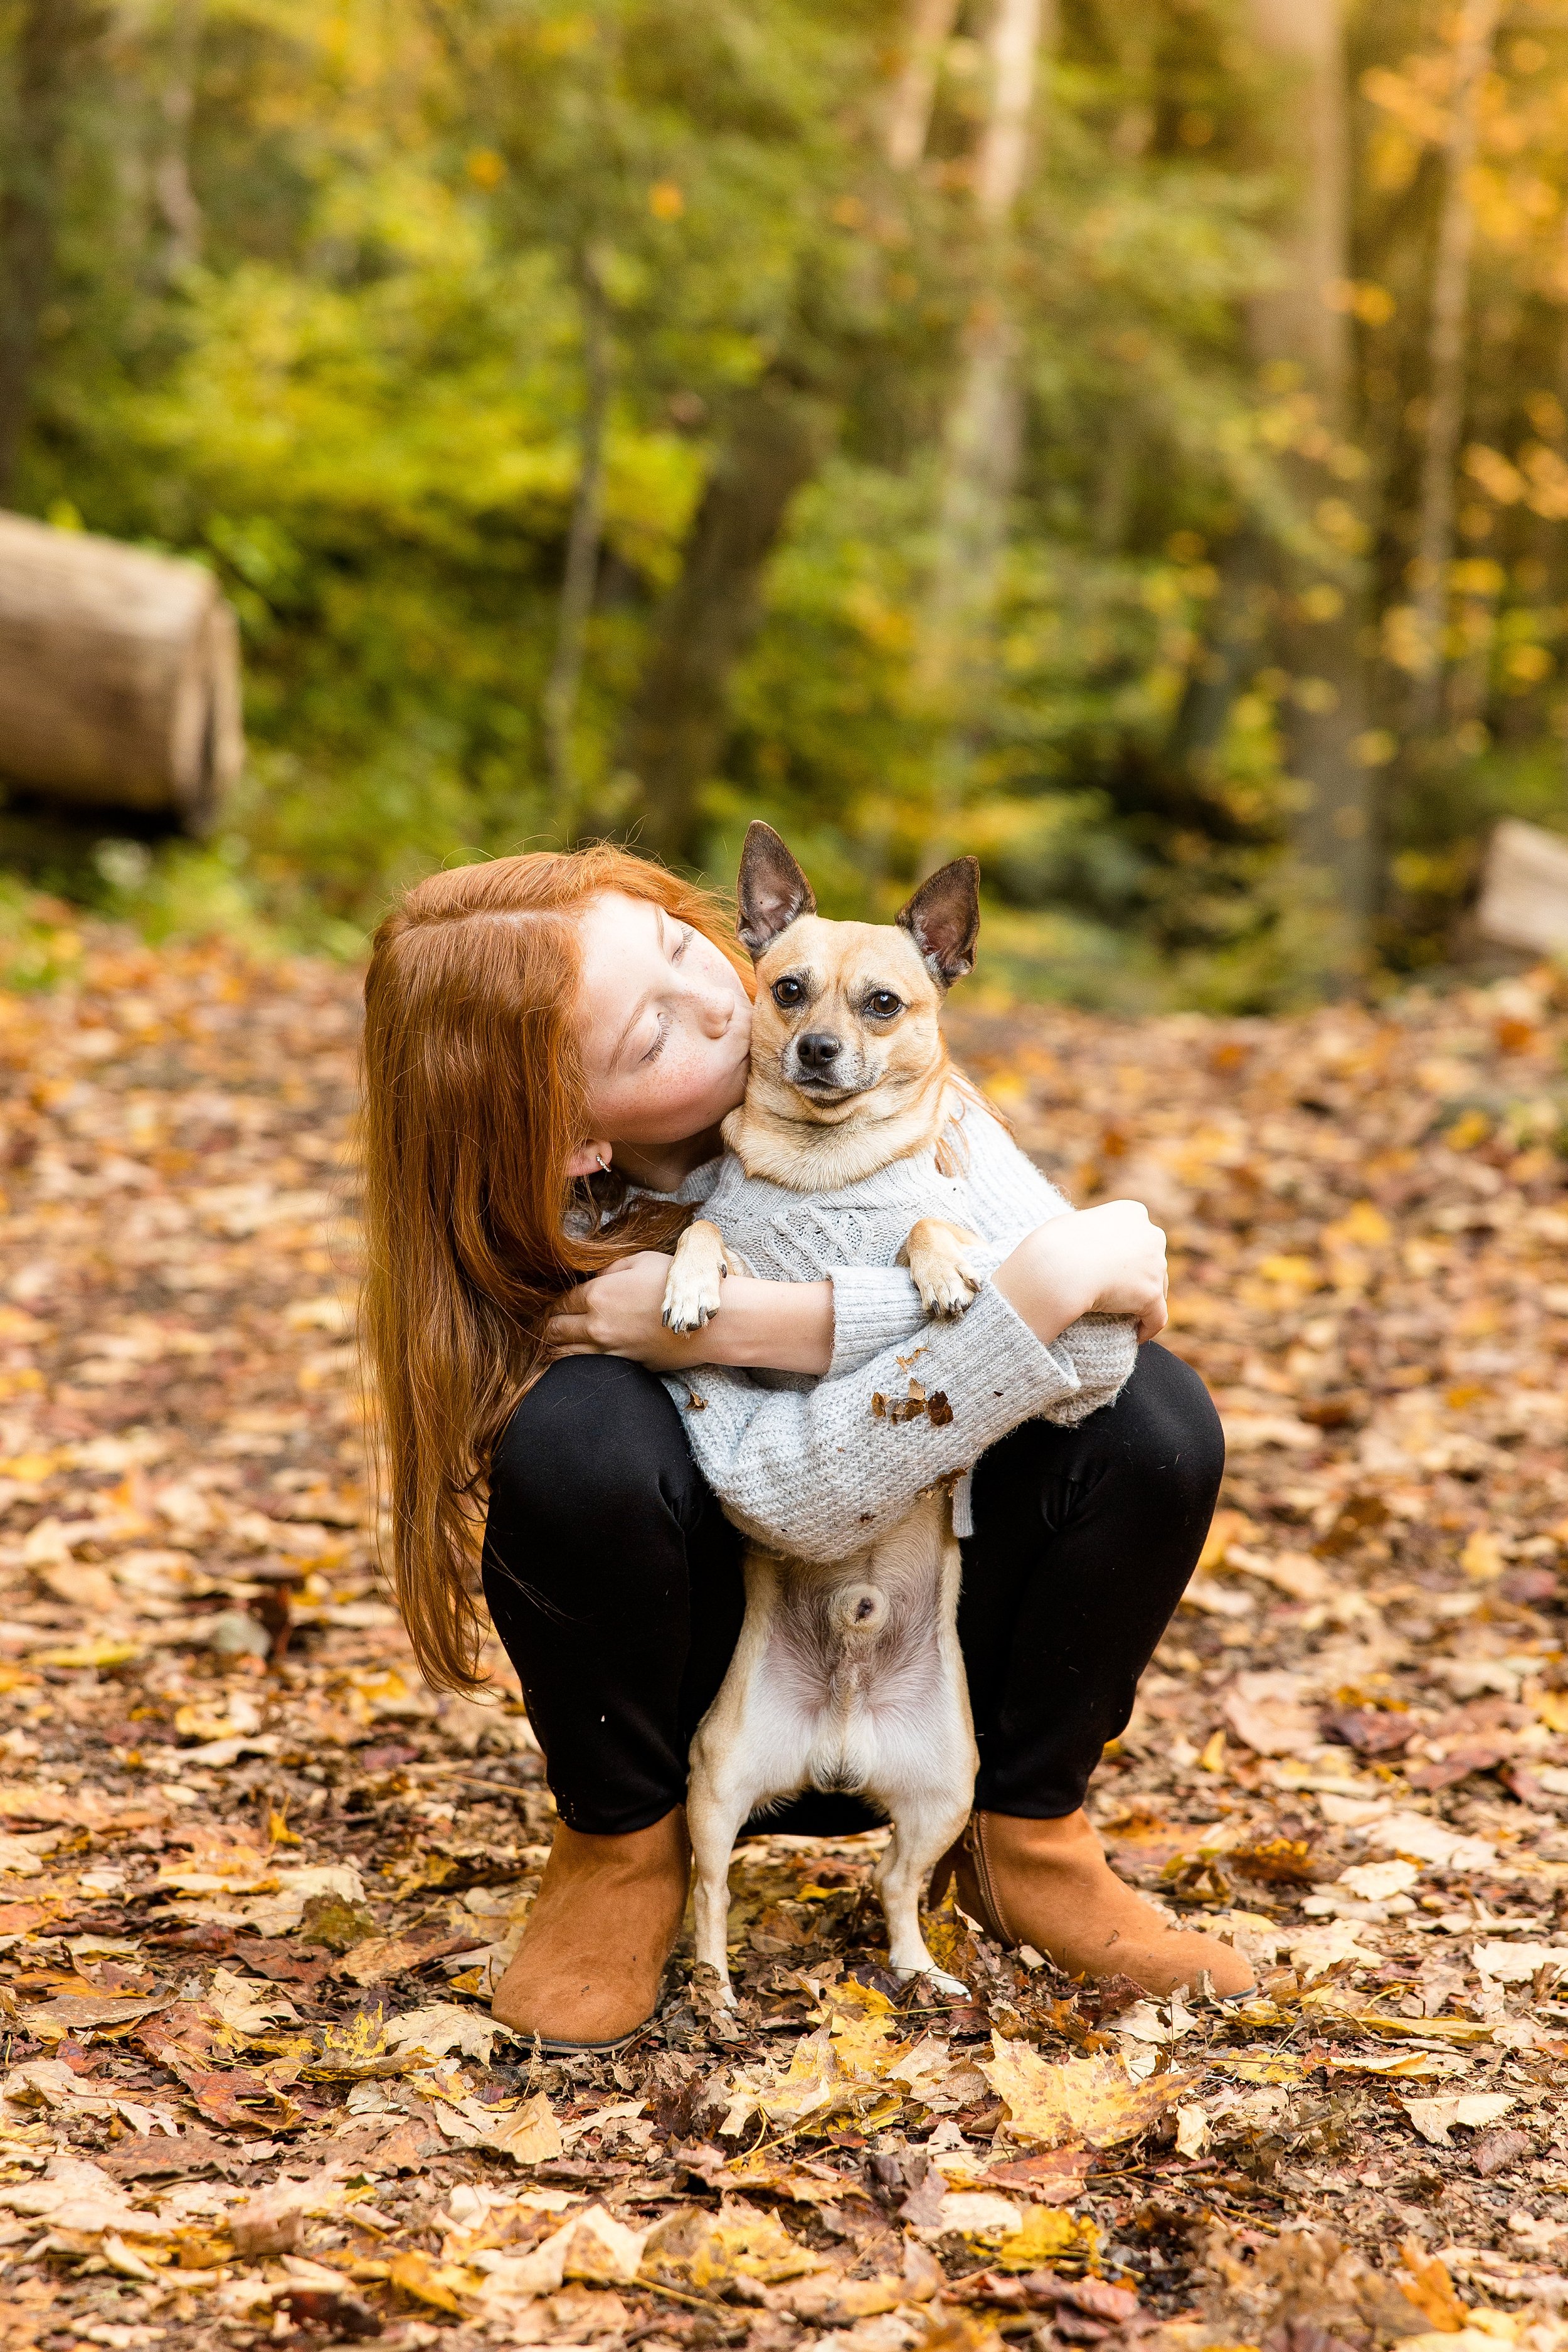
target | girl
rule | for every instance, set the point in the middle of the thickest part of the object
(552, 1043)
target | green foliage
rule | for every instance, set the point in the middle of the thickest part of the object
(357, 389)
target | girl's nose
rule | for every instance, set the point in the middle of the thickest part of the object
(715, 1011)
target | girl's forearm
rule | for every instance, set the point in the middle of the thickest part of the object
(786, 1326)
(1041, 1282)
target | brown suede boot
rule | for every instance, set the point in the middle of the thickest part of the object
(602, 1925)
(1048, 1884)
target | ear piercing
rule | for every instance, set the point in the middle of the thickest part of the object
(604, 1164)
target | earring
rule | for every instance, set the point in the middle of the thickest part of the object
(604, 1164)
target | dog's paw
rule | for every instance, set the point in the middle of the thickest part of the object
(946, 1291)
(946, 1988)
(690, 1299)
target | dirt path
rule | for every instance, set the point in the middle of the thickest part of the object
(252, 1894)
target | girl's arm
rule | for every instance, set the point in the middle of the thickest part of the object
(837, 1327)
(1105, 1261)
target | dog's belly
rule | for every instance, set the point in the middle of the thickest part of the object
(833, 1714)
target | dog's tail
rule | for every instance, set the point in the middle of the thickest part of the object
(856, 1612)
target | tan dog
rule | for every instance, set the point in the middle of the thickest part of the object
(848, 1677)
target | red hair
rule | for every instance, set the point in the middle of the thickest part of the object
(474, 1103)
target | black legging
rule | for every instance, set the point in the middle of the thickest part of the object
(614, 1580)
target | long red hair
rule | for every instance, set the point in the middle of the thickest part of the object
(473, 1105)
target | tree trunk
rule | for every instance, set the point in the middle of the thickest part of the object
(914, 92)
(675, 736)
(1445, 397)
(581, 551)
(48, 42)
(172, 179)
(1296, 328)
(983, 436)
(118, 674)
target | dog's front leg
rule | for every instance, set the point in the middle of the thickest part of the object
(942, 1274)
(692, 1293)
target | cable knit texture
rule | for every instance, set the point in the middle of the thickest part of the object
(817, 1468)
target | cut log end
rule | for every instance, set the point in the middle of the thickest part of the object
(1524, 895)
(119, 676)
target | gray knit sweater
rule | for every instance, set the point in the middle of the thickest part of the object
(817, 1467)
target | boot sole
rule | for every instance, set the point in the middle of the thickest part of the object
(551, 2046)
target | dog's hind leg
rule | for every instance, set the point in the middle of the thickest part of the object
(727, 1776)
(928, 1822)
(713, 1819)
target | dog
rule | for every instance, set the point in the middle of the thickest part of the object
(844, 1677)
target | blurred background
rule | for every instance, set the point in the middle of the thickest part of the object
(1127, 441)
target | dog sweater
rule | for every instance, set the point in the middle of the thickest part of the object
(818, 1467)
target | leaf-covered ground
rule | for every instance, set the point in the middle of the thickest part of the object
(256, 1880)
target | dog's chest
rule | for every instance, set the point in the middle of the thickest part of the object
(787, 1236)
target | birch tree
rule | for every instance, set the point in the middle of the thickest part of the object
(914, 91)
(1297, 329)
(583, 543)
(982, 442)
(1474, 34)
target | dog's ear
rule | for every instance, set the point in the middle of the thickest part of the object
(771, 890)
(943, 920)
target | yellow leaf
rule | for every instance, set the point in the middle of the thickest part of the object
(1048, 2235)
(1226, 1528)
(436, 2284)
(1363, 1227)
(1481, 1558)
(1431, 2290)
(1248, 2067)
(1472, 1127)
(531, 2136)
(1093, 2101)
(707, 2250)
(862, 2021)
(103, 1653)
(1291, 1273)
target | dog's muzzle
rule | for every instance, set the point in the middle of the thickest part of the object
(824, 1070)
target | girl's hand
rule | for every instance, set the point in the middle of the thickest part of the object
(1108, 1260)
(619, 1313)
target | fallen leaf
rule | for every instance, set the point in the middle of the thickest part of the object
(1086, 2101)
(1435, 2118)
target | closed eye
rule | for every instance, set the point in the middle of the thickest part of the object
(882, 1003)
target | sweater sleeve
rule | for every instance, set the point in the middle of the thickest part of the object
(876, 1309)
(819, 1470)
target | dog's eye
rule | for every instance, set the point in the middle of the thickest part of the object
(789, 993)
(884, 1003)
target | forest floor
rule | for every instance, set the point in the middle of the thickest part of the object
(256, 1879)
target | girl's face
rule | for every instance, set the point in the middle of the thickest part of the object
(664, 1028)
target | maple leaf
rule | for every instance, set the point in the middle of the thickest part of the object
(1088, 2102)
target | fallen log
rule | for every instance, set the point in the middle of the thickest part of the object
(119, 676)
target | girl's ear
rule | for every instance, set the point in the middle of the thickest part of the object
(590, 1158)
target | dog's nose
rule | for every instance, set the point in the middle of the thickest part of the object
(818, 1052)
